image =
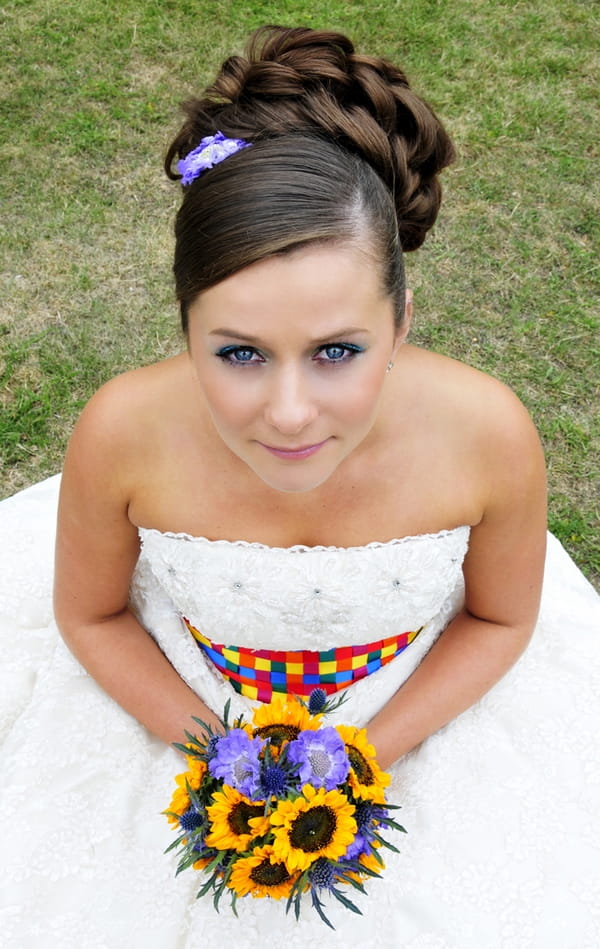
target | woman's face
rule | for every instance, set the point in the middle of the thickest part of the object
(291, 355)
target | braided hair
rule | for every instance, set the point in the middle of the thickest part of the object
(343, 150)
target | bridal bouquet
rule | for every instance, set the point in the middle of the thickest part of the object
(282, 806)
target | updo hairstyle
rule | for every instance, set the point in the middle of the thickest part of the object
(342, 151)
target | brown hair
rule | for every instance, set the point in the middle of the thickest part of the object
(342, 150)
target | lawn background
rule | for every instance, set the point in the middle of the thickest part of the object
(89, 92)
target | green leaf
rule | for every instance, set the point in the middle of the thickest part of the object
(384, 843)
(317, 904)
(345, 901)
(356, 883)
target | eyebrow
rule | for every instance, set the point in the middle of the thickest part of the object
(344, 331)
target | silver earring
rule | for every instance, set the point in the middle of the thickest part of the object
(389, 366)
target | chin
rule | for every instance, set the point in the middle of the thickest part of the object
(292, 482)
(298, 486)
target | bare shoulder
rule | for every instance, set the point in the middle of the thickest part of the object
(125, 409)
(485, 441)
(473, 432)
(97, 543)
(120, 423)
(467, 402)
(127, 398)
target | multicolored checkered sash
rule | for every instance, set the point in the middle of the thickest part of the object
(257, 673)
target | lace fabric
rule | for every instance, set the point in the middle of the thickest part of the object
(501, 806)
(301, 598)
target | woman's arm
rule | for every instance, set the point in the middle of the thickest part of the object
(503, 573)
(96, 551)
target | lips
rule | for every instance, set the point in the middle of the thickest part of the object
(305, 451)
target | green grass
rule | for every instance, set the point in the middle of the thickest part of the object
(508, 280)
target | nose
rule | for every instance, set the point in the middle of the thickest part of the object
(290, 406)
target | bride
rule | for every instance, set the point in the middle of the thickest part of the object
(301, 479)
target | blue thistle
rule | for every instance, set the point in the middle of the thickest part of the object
(211, 746)
(369, 819)
(191, 820)
(274, 781)
(364, 814)
(316, 701)
(322, 874)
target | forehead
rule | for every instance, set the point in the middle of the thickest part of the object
(313, 280)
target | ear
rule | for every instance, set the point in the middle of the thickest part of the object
(403, 331)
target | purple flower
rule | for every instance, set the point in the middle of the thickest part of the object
(359, 845)
(236, 761)
(321, 758)
(369, 819)
(211, 151)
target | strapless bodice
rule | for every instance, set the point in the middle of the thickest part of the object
(259, 597)
(303, 597)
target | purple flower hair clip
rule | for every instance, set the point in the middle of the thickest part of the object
(211, 151)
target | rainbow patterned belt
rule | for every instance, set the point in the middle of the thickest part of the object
(257, 673)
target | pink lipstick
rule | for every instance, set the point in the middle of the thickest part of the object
(295, 454)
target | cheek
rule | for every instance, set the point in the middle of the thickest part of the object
(228, 405)
(230, 412)
(359, 400)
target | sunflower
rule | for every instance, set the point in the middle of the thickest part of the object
(234, 820)
(261, 874)
(180, 802)
(282, 720)
(366, 778)
(320, 823)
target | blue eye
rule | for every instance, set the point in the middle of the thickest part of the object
(239, 355)
(337, 352)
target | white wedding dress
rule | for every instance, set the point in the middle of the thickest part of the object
(502, 807)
